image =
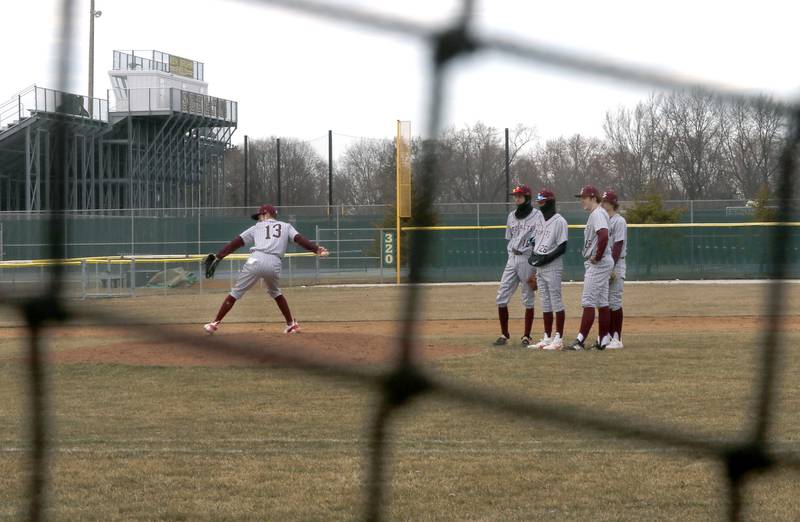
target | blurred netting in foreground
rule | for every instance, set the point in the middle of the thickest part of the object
(741, 458)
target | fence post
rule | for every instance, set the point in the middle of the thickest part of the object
(133, 231)
(316, 258)
(691, 211)
(338, 240)
(133, 277)
(380, 251)
(83, 279)
(199, 211)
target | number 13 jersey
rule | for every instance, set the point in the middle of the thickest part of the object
(269, 237)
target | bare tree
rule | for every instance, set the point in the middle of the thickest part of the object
(754, 134)
(694, 122)
(303, 173)
(234, 177)
(568, 163)
(365, 173)
(640, 148)
(472, 161)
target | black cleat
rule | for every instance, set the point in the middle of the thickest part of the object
(501, 341)
(526, 341)
(576, 346)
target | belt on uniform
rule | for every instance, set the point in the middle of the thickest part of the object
(516, 252)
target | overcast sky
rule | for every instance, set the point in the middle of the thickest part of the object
(295, 75)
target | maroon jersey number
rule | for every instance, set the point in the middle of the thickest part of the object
(276, 232)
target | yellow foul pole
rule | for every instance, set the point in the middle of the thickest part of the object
(397, 202)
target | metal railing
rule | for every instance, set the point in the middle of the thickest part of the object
(36, 99)
(15, 109)
(157, 61)
(169, 99)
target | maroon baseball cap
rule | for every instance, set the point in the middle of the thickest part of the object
(587, 192)
(609, 196)
(545, 195)
(265, 209)
(522, 190)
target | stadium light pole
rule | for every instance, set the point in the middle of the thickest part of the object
(278, 167)
(330, 172)
(246, 199)
(92, 15)
(508, 170)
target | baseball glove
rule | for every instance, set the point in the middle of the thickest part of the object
(211, 261)
(532, 283)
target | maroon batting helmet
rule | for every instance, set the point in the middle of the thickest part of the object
(265, 209)
(522, 190)
(609, 196)
(544, 196)
(588, 192)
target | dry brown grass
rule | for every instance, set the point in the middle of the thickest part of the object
(166, 443)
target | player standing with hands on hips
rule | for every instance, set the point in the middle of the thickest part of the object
(598, 265)
(270, 239)
(550, 244)
(619, 249)
(520, 229)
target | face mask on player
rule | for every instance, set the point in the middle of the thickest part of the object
(548, 208)
(524, 209)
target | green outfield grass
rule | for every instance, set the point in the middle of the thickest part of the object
(223, 443)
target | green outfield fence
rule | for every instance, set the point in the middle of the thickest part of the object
(467, 246)
(699, 251)
(23, 235)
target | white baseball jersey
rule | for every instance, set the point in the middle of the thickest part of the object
(550, 234)
(618, 230)
(520, 231)
(597, 221)
(269, 237)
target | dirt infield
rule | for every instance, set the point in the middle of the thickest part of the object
(368, 342)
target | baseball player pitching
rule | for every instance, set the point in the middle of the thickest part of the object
(619, 240)
(520, 229)
(550, 244)
(269, 239)
(598, 265)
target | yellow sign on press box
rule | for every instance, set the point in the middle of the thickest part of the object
(181, 66)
